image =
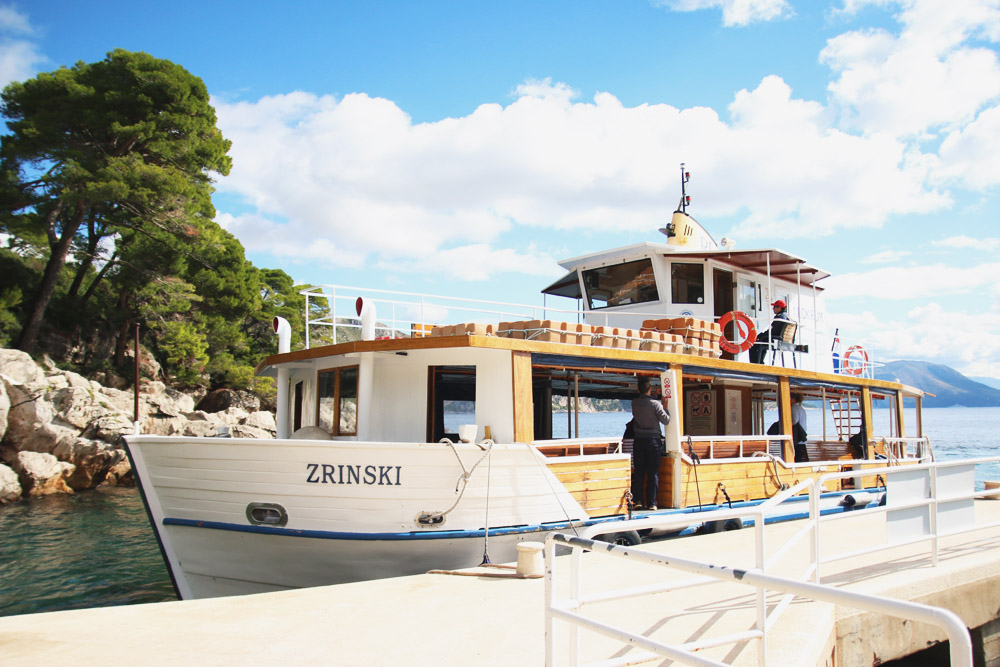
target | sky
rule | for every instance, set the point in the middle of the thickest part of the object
(464, 148)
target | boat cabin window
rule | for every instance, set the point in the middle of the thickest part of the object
(338, 400)
(621, 284)
(451, 400)
(687, 282)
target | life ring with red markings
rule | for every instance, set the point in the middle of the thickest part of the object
(741, 321)
(859, 364)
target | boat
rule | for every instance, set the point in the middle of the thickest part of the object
(419, 433)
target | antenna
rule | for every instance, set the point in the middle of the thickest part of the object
(685, 200)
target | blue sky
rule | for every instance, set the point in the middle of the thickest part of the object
(462, 148)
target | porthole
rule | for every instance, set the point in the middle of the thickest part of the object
(266, 514)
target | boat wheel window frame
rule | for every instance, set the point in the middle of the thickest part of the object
(337, 385)
(687, 283)
(622, 284)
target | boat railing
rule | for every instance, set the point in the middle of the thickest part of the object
(726, 447)
(916, 497)
(579, 446)
(413, 314)
(905, 449)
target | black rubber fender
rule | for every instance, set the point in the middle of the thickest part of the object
(721, 526)
(626, 538)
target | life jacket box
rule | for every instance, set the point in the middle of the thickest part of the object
(583, 334)
(549, 332)
(600, 338)
(475, 329)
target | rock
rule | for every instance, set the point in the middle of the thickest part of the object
(262, 420)
(10, 486)
(243, 431)
(41, 474)
(28, 412)
(223, 399)
(4, 409)
(232, 416)
(109, 427)
(119, 474)
(92, 459)
(19, 368)
(61, 432)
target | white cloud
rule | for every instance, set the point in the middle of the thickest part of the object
(968, 342)
(734, 12)
(19, 57)
(13, 21)
(971, 154)
(356, 180)
(914, 282)
(928, 76)
(963, 242)
(886, 257)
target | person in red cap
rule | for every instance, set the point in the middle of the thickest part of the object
(759, 349)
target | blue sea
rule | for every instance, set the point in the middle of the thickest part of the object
(97, 549)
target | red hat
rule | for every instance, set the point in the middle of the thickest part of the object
(780, 303)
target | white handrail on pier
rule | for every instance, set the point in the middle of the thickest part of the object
(913, 491)
(960, 642)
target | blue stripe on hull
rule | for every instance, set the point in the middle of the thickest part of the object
(507, 530)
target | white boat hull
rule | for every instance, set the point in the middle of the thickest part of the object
(352, 508)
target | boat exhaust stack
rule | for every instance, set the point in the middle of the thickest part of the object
(366, 311)
(284, 331)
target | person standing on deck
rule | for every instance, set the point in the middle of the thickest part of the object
(647, 415)
(799, 434)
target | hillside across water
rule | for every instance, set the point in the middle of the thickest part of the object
(948, 385)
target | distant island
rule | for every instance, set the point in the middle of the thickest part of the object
(950, 388)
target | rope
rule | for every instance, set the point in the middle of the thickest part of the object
(555, 494)
(697, 461)
(463, 479)
(774, 463)
(486, 530)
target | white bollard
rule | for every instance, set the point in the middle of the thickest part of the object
(529, 559)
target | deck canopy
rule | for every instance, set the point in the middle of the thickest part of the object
(568, 286)
(782, 265)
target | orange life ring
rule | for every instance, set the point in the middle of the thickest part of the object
(861, 364)
(740, 344)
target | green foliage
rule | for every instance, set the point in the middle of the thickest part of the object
(105, 195)
(184, 351)
(124, 146)
(10, 299)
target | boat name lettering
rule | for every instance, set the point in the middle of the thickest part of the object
(327, 473)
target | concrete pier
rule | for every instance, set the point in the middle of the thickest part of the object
(437, 619)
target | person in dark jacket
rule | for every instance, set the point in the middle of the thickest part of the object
(647, 415)
(759, 349)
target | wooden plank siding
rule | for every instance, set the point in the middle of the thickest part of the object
(599, 484)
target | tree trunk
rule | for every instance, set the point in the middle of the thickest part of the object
(97, 279)
(60, 248)
(121, 344)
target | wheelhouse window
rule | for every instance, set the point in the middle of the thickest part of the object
(687, 283)
(338, 400)
(621, 284)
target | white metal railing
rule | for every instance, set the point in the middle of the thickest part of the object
(960, 642)
(401, 313)
(916, 491)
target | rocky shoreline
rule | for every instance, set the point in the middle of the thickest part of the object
(61, 433)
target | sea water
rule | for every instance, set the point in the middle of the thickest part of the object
(97, 548)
